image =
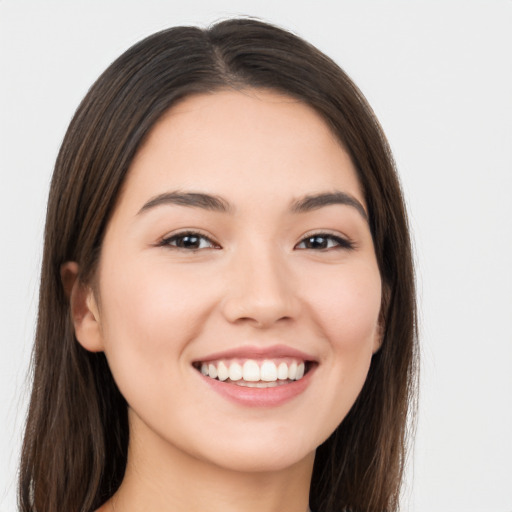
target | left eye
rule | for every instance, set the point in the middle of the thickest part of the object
(190, 241)
(323, 242)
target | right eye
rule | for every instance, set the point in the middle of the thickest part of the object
(189, 240)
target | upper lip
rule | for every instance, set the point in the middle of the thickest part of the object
(256, 352)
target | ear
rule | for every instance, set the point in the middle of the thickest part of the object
(380, 331)
(379, 334)
(83, 308)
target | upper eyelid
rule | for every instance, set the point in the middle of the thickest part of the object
(325, 232)
(187, 231)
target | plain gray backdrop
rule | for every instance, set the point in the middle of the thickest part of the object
(439, 76)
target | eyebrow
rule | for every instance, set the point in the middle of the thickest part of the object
(314, 202)
(218, 204)
(192, 199)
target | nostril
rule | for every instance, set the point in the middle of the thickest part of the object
(262, 321)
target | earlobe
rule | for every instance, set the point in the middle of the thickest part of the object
(83, 308)
(380, 331)
(379, 337)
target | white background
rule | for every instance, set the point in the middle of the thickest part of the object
(439, 76)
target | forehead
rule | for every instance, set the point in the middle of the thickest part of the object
(245, 144)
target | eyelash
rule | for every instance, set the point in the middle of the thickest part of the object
(340, 243)
(167, 242)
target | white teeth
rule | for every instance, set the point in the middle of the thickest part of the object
(282, 371)
(251, 371)
(259, 384)
(235, 371)
(212, 371)
(268, 371)
(300, 371)
(292, 371)
(254, 372)
(222, 371)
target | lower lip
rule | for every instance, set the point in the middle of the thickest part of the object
(260, 397)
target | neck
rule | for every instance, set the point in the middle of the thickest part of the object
(162, 478)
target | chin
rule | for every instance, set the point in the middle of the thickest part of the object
(261, 460)
(260, 451)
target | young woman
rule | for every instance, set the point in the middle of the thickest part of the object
(227, 312)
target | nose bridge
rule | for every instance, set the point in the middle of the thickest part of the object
(261, 290)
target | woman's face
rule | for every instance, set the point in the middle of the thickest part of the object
(238, 255)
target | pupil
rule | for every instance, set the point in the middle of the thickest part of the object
(189, 241)
(316, 242)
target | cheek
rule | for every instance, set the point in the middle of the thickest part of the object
(147, 317)
(348, 315)
(150, 305)
(348, 310)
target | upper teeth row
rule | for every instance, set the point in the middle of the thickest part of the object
(251, 371)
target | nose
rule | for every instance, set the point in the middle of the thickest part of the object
(261, 290)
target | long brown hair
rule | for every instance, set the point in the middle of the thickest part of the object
(75, 446)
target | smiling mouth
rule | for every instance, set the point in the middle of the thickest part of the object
(255, 373)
